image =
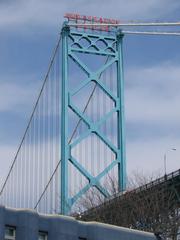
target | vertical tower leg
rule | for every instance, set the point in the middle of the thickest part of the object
(64, 123)
(69, 51)
(121, 120)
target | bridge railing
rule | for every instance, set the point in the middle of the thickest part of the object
(166, 179)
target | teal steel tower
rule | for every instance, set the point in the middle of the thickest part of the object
(111, 48)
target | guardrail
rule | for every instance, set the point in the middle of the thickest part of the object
(158, 181)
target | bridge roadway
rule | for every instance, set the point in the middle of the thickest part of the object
(147, 202)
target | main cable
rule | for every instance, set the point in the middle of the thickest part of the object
(31, 117)
(151, 33)
(130, 24)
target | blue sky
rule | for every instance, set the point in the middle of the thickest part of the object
(29, 31)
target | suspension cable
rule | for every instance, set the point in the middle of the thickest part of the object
(130, 24)
(73, 133)
(34, 109)
(152, 33)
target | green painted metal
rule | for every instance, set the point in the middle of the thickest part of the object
(121, 118)
(69, 51)
(64, 123)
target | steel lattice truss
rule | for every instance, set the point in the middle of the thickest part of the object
(74, 42)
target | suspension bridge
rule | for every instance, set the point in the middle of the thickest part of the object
(75, 138)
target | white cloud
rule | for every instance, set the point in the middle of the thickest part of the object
(7, 155)
(40, 169)
(17, 97)
(131, 9)
(47, 13)
(152, 106)
(152, 94)
(148, 156)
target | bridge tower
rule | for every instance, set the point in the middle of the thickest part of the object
(78, 44)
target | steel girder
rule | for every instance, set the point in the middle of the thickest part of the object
(69, 50)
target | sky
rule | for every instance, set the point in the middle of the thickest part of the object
(29, 31)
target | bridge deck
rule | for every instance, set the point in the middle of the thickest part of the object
(148, 207)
